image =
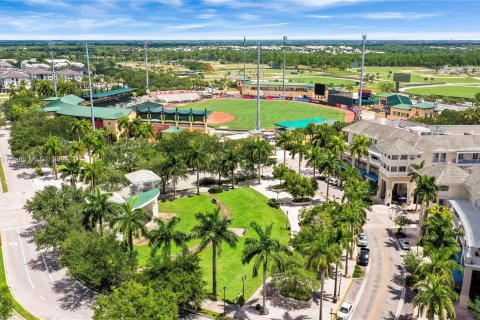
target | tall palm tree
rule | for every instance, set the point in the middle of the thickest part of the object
(165, 235)
(80, 127)
(231, 160)
(321, 253)
(349, 174)
(98, 209)
(337, 144)
(356, 190)
(415, 176)
(70, 168)
(93, 173)
(197, 158)
(299, 147)
(329, 164)
(314, 157)
(440, 265)
(212, 229)
(426, 191)
(52, 149)
(322, 135)
(130, 221)
(283, 140)
(435, 298)
(177, 169)
(265, 251)
(145, 131)
(78, 149)
(353, 214)
(359, 147)
(124, 126)
(261, 151)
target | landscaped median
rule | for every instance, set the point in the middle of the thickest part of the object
(16, 306)
(3, 179)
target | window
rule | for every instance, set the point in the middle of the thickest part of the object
(475, 156)
(402, 169)
(393, 169)
(403, 157)
(394, 157)
(460, 156)
(443, 188)
(439, 157)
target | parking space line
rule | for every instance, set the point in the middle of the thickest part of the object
(24, 259)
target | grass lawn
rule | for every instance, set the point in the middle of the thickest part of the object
(3, 283)
(449, 91)
(246, 205)
(270, 111)
(3, 179)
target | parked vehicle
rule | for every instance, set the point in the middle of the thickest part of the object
(362, 240)
(404, 243)
(363, 256)
(333, 181)
(345, 311)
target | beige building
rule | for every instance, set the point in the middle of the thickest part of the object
(397, 106)
(275, 89)
(451, 154)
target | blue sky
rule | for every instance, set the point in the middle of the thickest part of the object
(232, 19)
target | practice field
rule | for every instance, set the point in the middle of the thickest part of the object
(271, 111)
(243, 205)
(447, 91)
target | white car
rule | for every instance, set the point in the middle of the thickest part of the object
(362, 240)
(333, 181)
(345, 311)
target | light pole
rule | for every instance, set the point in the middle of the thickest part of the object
(284, 62)
(339, 283)
(224, 293)
(51, 44)
(364, 41)
(244, 277)
(244, 62)
(146, 66)
(90, 86)
(258, 88)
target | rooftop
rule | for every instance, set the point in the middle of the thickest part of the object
(110, 93)
(70, 99)
(73, 110)
(142, 176)
(470, 219)
(144, 198)
(445, 174)
(279, 83)
(397, 146)
(303, 123)
(172, 130)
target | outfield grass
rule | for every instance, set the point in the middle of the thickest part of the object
(16, 306)
(270, 111)
(246, 205)
(448, 91)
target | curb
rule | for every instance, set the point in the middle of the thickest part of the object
(344, 295)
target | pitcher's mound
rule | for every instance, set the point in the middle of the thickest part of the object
(218, 117)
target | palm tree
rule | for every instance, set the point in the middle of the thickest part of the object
(328, 164)
(298, 146)
(265, 251)
(79, 128)
(336, 145)
(283, 140)
(145, 131)
(356, 190)
(321, 253)
(314, 156)
(231, 160)
(359, 147)
(177, 169)
(78, 149)
(261, 152)
(93, 173)
(415, 176)
(349, 174)
(212, 229)
(322, 135)
(98, 209)
(440, 265)
(52, 148)
(435, 298)
(164, 235)
(197, 159)
(353, 214)
(426, 191)
(130, 221)
(124, 126)
(70, 168)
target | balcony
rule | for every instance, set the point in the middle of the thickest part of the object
(468, 161)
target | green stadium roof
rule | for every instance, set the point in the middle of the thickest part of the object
(144, 198)
(172, 130)
(104, 113)
(273, 83)
(385, 95)
(396, 99)
(70, 98)
(402, 106)
(303, 123)
(424, 105)
(112, 92)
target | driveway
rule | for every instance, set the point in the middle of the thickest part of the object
(35, 279)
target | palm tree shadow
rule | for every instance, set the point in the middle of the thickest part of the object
(74, 295)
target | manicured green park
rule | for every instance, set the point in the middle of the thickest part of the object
(245, 205)
(271, 111)
(448, 91)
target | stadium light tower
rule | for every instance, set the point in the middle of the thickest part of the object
(244, 61)
(258, 88)
(364, 41)
(51, 44)
(90, 86)
(284, 62)
(146, 66)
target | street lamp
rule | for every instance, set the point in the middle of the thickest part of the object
(286, 222)
(340, 283)
(224, 293)
(244, 277)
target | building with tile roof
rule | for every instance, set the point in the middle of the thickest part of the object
(397, 106)
(275, 89)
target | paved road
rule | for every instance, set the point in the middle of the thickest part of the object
(380, 295)
(34, 278)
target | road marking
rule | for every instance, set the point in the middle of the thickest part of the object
(24, 259)
(24, 226)
(13, 243)
(362, 288)
(41, 297)
(78, 316)
(44, 262)
(402, 294)
(381, 294)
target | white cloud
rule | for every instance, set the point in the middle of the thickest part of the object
(390, 15)
(277, 24)
(187, 26)
(248, 16)
(318, 16)
(206, 16)
(175, 3)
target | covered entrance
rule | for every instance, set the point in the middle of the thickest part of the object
(399, 192)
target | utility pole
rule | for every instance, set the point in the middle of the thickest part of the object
(146, 66)
(258, 88)
(364, 40)
(284, 62)
(90, 87)
(244, 61)
(54, 77)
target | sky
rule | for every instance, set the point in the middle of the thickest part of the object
(233, 19)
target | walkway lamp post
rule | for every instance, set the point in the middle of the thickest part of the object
(244, 277)
(224, 293)
(339, 283)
